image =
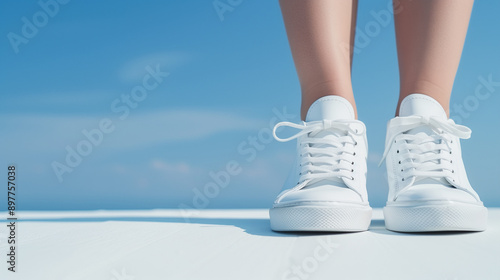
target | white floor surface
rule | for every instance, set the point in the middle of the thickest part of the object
(234, 244)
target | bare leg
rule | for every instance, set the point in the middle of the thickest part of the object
(321, 36)
(430, 37)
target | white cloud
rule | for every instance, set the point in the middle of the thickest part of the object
(41, 133)
(172, 126)
(134, 70)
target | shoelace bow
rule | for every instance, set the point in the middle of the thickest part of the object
(424, 155)
(317, 154)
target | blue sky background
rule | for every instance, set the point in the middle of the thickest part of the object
(226, 77)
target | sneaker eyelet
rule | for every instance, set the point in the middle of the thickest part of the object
(352, 178)
(397, 151)
(450, 152)
(352, 163)
(399, 162)
(352, 170)
(403, 179)
(401, 170)
(354, 154)
(451, 161)
(355, 143)
(453, 171)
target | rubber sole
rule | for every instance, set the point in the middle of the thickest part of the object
(338, 218)
(445, 216)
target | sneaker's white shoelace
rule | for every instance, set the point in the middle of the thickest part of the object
(423, 155)
(326, 156)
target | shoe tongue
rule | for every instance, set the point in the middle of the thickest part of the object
(330, 107)
(423, 105)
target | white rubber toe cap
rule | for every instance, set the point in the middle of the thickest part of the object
(435, 192)
(322, 193)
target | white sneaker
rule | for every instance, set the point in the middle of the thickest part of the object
(428, 186)
(326, 190)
